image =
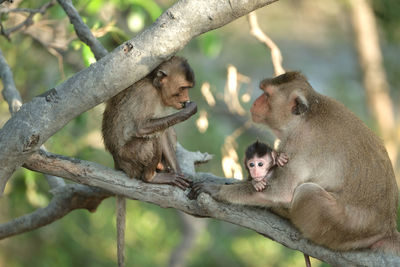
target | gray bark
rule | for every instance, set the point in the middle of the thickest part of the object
(257, 219)
(42, 117)
(46, 114)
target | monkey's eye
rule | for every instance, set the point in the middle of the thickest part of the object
(252, 165)
(260, 164)
(175, 95)
(267, 94)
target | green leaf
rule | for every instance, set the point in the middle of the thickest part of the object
(94, 6)
(87, 55)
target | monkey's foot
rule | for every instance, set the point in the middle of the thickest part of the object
(160, 166)
(176, 179)
(201, 187)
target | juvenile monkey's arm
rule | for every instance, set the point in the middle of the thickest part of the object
(156, 125)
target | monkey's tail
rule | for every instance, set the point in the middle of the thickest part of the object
(389, 245)
(121, 212)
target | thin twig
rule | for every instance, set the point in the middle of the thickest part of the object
(82, 30)
(65, 200)
(276, 55)
(28, 21)
(10, 92)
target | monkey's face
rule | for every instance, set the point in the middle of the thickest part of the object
(270, 106)
(279, 106)
(259, 167)
(175, 91)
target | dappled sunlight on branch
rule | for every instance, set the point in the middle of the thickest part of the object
(202, 122)
(231, 92)
(207, 94)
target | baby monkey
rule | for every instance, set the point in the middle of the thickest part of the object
(260, 160)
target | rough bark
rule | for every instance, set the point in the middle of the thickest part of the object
(257, 219)
(42, 117)
(45, 115)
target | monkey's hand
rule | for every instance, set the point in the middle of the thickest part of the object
(201, 187)
(259, 186)
(159, 124)
(282, 159)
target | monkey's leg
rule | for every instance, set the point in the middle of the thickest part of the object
(168, 143)
(322, 218)
(160, 124)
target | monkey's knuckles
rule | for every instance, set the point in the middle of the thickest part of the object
(181, 182)
(199, 188)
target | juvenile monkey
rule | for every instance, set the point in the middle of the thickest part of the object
(136, 129)
(333, 189)
(259, 161)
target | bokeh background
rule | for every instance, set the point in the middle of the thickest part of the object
(315, 37)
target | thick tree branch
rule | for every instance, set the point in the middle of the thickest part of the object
(39, 119)
(66, 199)
(257, 219)
(13, 98)
(82, 30)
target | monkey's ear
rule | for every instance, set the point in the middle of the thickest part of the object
(161, 74)
(299, 103)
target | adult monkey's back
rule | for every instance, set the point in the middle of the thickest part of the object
(339, 187)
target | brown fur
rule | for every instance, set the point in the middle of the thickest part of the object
(339, 187)
(128, 131)
(136, 129)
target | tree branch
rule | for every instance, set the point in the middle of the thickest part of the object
(82, 30)
(374, 76)
(66, 199)
(29, 19)
(10, 92)
(257, 219)
(276, 55)
(39, 119)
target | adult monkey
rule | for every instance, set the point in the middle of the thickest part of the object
(339, 187)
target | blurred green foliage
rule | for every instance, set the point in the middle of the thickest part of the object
(308, 42)
(387, 13)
